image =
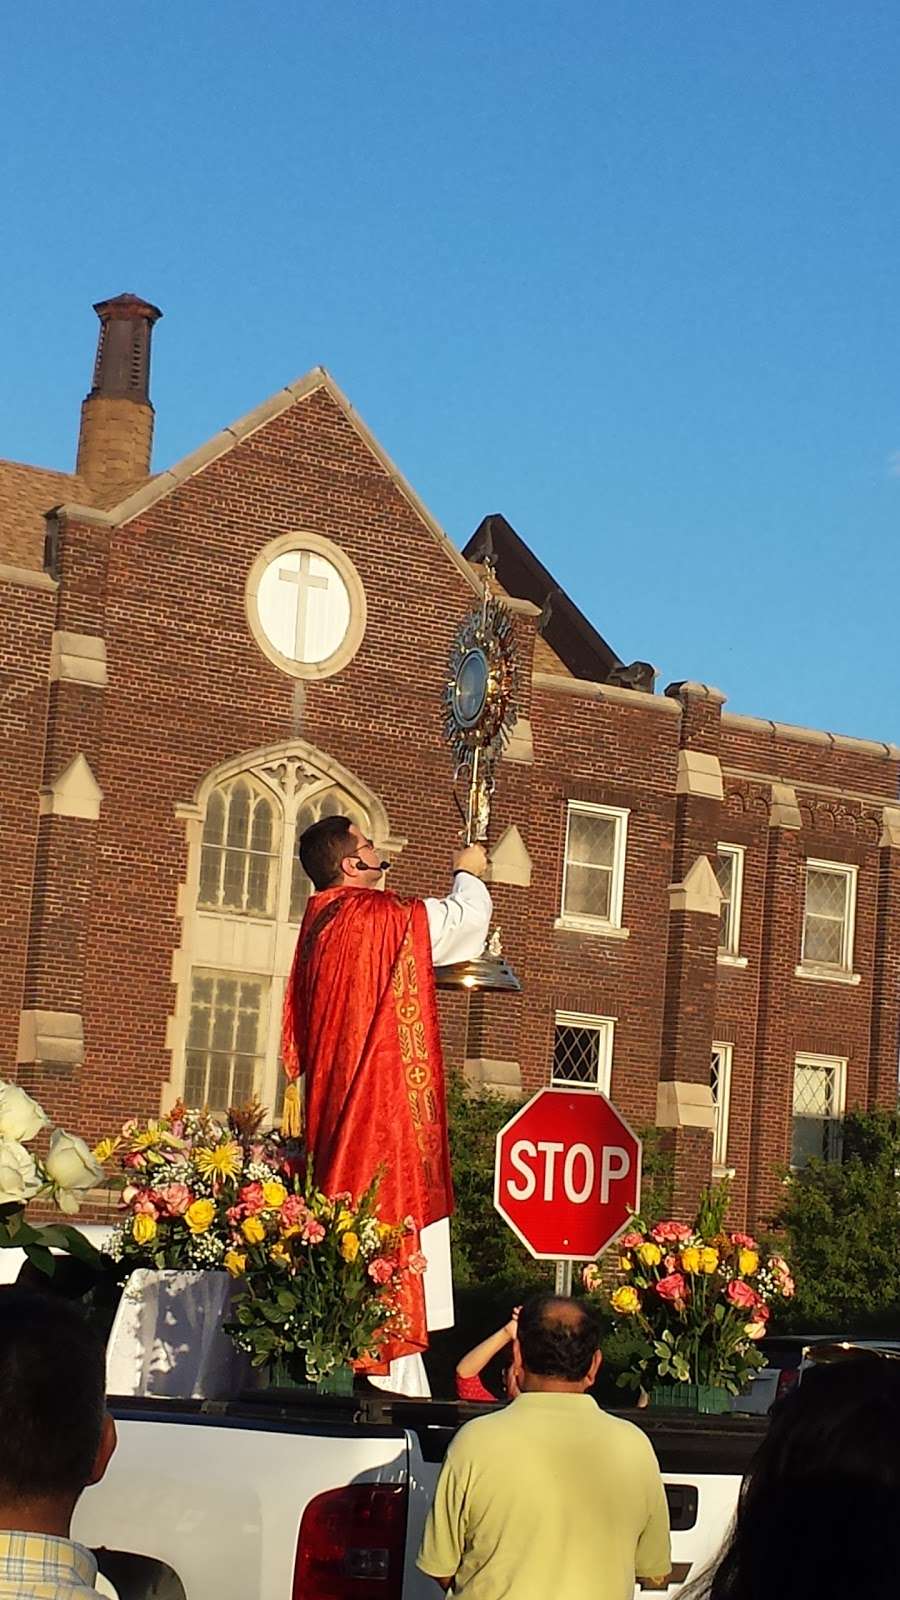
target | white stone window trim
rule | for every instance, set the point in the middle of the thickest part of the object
(730, 952)
(823, 971)
(185, 958)
(611, 926)
(722, 1102)
(605, 1027)
(353, 638)
(807, 1058)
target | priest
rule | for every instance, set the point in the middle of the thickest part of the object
(361, 1030)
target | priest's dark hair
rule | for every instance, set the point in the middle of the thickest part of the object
(323, 846)
(52, 1397)
(558, 1337)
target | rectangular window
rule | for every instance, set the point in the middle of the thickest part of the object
(828, 915)
(582, 1051)
(730, 878)
(594, 865)
(720, 1083)
(226, 1036)
(819, 1087)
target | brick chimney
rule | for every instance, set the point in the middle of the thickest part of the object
(116, 435)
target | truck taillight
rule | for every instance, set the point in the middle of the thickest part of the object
(351, 1544)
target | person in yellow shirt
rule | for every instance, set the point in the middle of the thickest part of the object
(550, 1496)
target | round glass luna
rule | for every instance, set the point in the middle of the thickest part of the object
(471, 687)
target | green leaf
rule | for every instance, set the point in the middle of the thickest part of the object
(41, 1258)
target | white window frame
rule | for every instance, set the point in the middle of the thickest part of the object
(722, 1103)
(841, 971)
(605, 1027)
(732, 949)
(589, 924)
(806, 1058)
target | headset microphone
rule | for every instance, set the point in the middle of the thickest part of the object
(366, 866)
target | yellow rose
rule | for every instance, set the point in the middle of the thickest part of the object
(200, 1215)
(292, 1232)
(709, 1259)
(235, 1262)
(350, 1246)
(649, 1254)
(280, 1254)
(690, 1259)
(253, 1230)
(274, 1194)
(143, 1229)
(626, 1301)
(384, 1230)
(748, 1261)
(625, 1263)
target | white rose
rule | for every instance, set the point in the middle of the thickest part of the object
(19, 1178)
(71, 1169)
(20, 1116)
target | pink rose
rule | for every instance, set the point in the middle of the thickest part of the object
(787, 1287)
(630, 1241)
(417, 1263)
(380, 1271)
(740, 1294)
(670, 1232)
(175, 1198)
(778, 1264)
(128, 1194)
(143, 1205)
(135, 1161)
(252, 1198)
(313, 1232)
(744, 1241)
(293, 1211)
(670, 1263)
(671, 1288)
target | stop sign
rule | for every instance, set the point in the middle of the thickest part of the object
(568, 1174)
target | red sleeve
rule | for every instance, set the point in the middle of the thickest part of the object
(473, 1389)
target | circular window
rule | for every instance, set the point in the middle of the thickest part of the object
(306, 605)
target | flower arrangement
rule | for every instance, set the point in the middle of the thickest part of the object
(179, 1177)
(61, 1176)
(701, 1296)
(320, 1277)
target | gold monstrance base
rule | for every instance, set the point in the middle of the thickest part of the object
(488, 972)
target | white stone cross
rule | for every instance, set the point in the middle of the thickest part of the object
(306, 581)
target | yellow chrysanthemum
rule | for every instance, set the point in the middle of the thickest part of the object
(344, 1221)
(222, 1161)
(105, 1149)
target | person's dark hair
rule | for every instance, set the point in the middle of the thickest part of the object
(820, 1503)
(52, 1396)
(323, 846)
(558, 1338)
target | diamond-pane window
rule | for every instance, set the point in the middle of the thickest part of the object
(729, 876)
(582, 1051)
(828, 915)
(818, 1109)
(594, 867)
(225, 1039)
(720, 1084)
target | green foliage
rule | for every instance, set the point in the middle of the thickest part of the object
(841, 1223)
(39, 1241)
(485, 1250)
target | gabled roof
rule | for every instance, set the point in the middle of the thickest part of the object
(565, 629)
(30, 501)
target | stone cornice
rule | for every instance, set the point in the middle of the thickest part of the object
(554, 683)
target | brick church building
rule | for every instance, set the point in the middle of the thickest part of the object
(704, 909)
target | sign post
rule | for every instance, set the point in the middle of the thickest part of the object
(567, 1176)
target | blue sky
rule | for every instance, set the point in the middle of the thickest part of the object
(626, 272)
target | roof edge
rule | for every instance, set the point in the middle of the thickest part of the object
(800, 735)
(585, 689)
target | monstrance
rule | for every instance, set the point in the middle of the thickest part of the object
(479, 714)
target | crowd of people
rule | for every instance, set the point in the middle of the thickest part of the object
(547, 1495)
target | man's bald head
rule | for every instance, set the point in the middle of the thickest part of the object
(558, 1338)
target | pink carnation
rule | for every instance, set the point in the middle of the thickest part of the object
(143, 1205)
(417, 1263)
(252, 1198)
(744, 1241)
(671, 1288)
(134, 1161)
(293, 1211)
(234, 1215)
(670, 1263)
(175, 1199)
(740, 1294)
(313, 1231)
(670, 1232)
(787, 1287)
(380, 1270)
(630, 1241)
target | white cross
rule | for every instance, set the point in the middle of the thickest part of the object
(306, 582)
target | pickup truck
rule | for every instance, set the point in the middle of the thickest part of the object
(285, 1495)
